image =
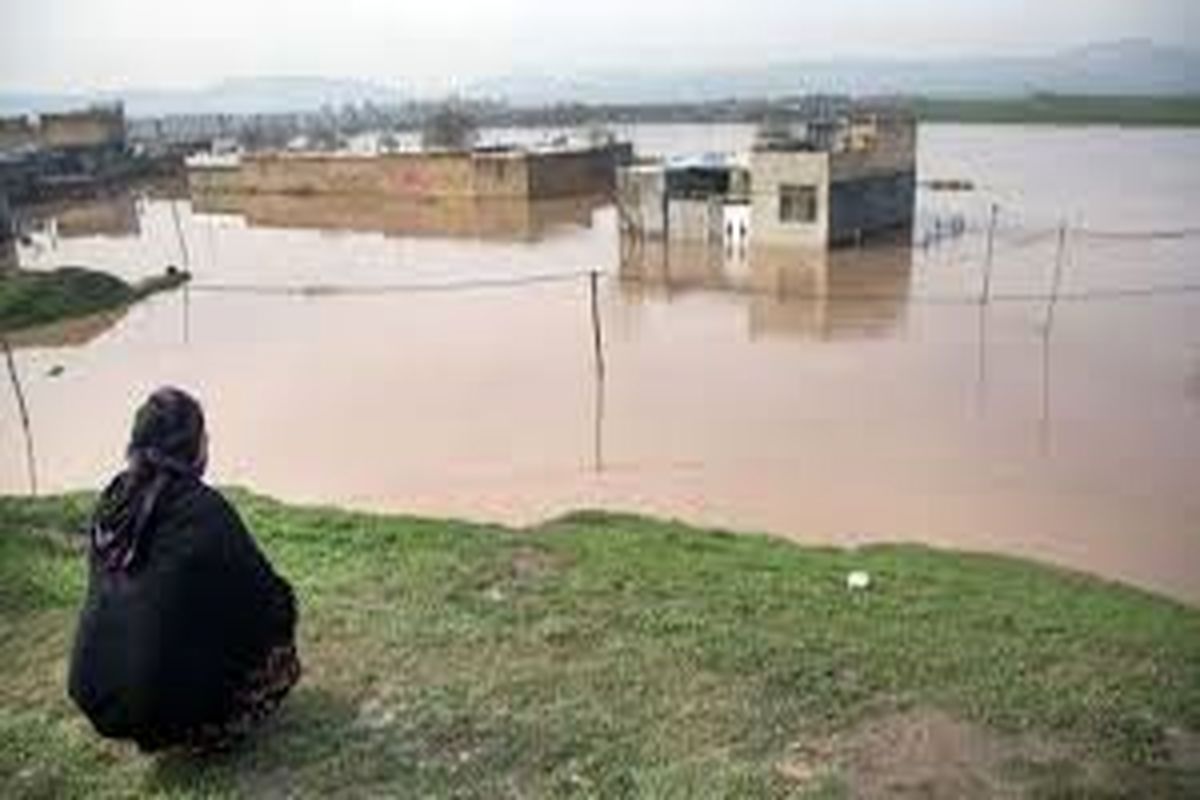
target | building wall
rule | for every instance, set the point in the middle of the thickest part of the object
(400, 175)
(641, 200)
(772, 170)
(871, 205)
(16, 132)
(504, 175)
(499, 175)
(93, 128)
(572, 172)
(694, 220)
(891, 147)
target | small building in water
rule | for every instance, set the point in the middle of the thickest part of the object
(701, 199)
(498, 173)
(838, 181)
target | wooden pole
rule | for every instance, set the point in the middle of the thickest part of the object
(1044, 422)
(598, 357)
(597, 331)
(1058, 274)
(981, 381)
(23, 410)
(986, 296)
(183, 248)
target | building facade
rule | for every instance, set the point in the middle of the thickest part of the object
(840, 183)
(490, 174)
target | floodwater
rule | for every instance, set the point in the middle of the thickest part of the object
(344, 356)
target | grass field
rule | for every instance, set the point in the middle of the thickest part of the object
(31, 298)
(1058, 109)
(613, 656)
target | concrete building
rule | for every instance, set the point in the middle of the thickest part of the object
(98, 128)
(839, 182)
(489, 174)
(17, 133)
(102, 127)
(695, 200)
(58, 155)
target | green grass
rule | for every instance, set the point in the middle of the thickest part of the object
(613, 656)
(1058, 109)
(33, 298)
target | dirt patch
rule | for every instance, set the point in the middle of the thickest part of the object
(924, 753)
(529, 564)
(1183, 749)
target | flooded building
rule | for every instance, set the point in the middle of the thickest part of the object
(840, 181)
(55, 155)
(17, 133)
(99, 128)
(491, 173)
(697, 200)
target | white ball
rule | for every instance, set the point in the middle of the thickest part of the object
(858, 581)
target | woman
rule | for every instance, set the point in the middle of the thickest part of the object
(187, 635)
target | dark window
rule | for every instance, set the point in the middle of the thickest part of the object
(797, 204)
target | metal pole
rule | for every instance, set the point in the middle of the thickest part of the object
(986, 297)
(23, 410)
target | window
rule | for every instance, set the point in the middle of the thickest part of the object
(797, 203)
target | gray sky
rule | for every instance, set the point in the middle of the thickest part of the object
(76, 45)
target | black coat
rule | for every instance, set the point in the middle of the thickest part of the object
(161, 649)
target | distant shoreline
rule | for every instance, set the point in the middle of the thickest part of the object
(1064, 110)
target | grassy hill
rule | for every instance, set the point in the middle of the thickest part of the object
(33, 298)
(614, 656)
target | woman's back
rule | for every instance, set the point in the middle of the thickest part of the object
(177, 619)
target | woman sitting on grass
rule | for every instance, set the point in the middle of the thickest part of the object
(186, 637)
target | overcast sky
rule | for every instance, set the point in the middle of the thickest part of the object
(78, 45)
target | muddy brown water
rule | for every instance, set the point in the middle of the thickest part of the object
(858, 398)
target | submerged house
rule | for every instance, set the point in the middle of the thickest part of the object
(839, 181)
(497, 173)
(55, 154)
(701, 199)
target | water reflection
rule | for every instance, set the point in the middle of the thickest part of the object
(465, 218)
(113, 215)
(787, 292)
(72, 333)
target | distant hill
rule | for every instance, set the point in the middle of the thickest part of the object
(1135, 67)
(1132, 67)
(277, 95)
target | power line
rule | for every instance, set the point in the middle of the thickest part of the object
(321, 290)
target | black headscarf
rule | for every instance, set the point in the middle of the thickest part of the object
(167, 444)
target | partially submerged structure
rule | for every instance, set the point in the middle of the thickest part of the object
(834, 180)
(52, 155)
(486, 173)
(702, 199)
(838, 181)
